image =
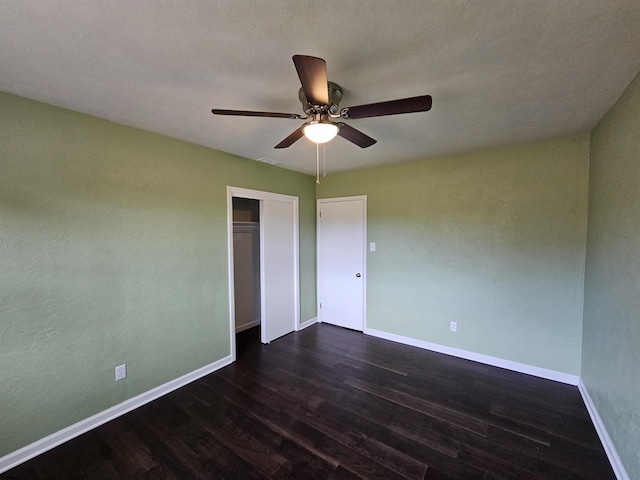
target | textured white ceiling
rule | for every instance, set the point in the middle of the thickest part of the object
(500, 72)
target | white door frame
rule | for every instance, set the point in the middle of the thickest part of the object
(319, 203)
(259, 195)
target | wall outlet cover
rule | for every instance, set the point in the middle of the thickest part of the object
(121, 372)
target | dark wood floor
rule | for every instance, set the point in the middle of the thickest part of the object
(329, 403)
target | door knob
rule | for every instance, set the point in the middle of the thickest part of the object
(358, 275)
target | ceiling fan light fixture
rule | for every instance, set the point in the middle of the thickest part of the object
(320, 131)
(320, 99)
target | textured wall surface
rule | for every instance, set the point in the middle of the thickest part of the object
(493, 240)
(113, 249)
(611, 347)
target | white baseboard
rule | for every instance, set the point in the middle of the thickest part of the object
(306, 324)
(247, 326)
(51, 441)
(479, 357)
(609, 448)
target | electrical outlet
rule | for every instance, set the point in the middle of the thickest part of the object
(121, 372)
(453, 326)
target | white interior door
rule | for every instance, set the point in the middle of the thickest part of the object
(341, 261)
(278, 264)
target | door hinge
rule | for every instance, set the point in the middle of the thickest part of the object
(321, 306)
(320, 214)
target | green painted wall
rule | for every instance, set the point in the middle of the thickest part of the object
(493, 240)
(611, 347)
(113, 250)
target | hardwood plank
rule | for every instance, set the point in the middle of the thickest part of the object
(251, 449)
(437, 411)
(131, 457)
(304, 463)
(485, 460)
(380, 443)
(357, 463)
(165, 448)
(341, 473)
(339, 446)
(393, 459)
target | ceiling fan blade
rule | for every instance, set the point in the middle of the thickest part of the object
(313, 77)
(248, 113)
(355, 136)
(291, 139)
(392, 107)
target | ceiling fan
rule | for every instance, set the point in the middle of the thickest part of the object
(320, 102)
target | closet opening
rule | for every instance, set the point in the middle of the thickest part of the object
(264, 287)
(246, 271)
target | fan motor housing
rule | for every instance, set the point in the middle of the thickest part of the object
(335, 95)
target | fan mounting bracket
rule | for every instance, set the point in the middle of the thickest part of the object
(335, 95)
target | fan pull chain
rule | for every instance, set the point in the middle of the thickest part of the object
(317, 164)
(324, 160)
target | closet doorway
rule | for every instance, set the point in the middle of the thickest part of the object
(267, 265)
(246, 263)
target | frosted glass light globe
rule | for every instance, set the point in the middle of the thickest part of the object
(320, 132)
